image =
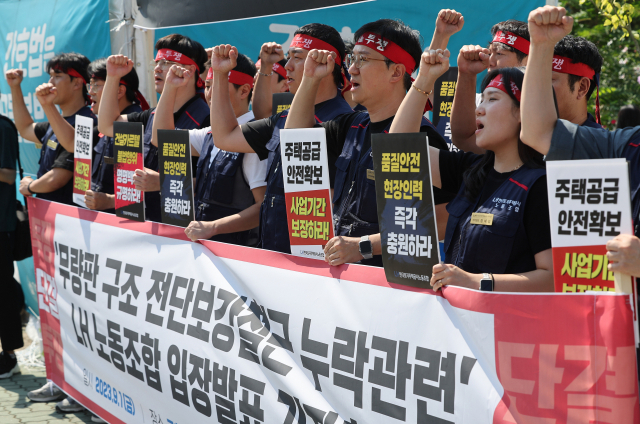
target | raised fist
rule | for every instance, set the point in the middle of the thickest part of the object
(473, 59)
(118, 65)
(224, 58)
(177, 76)
(319, 64)
(433, 64)
(14, 77)
(449, 22)
(46, 93)
(549, 24)
(271, 53)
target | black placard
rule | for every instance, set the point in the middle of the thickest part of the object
(128, 152)
(405, 208)
(443, 93)
(176, 177)
(281, 101)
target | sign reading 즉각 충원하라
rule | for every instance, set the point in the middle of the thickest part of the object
(176, 181)
(405, 207)
(83, 142)
(306, 185)
(128, 151)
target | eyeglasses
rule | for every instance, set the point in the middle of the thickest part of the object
(163, 63)
(95, 86)
(358, 60)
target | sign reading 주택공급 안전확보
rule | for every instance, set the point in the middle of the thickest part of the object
(128, 151)
(141, 325)
(176, 181)
(405, 207)
(82, 155)
(306, 186)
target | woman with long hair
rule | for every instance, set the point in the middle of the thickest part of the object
(498, 235)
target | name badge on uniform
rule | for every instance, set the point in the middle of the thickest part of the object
(109, 161)
(370, 174)
(482, 218)
(52, 144)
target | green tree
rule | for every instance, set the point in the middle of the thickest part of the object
(613, 27)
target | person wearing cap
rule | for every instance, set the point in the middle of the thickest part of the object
(498, 235)
(560, 139)
(101, 196)
(576, 72)
(229, 186)
(509, 48)
(67, 89)
(190, 109)
(263, 136)
(271, 78)
(385, 55)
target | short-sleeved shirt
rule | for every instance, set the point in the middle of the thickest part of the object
(536, 212)
(8, 157)
(253, 168)
(338, 128)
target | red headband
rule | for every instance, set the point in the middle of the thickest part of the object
(389, 49)
(174, 56)
(498, 83)
(210, 74)
(277, 68)
(308, 42)
(240, 78)
(565, 65)
(71, 72)
(510, 39)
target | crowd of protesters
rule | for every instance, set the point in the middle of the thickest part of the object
(532, 108)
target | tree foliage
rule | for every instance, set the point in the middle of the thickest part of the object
(613, 27)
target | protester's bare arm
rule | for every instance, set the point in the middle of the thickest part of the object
(547, 26)
(7, 176)
(224, 126)
(117, 67)
(317, 65)
(262, 102)
(539, 280)
(24, 122)
(242, 221)
(51, 181)
(343, 250)
(471, 61)
(176, 77)
(65, 133)
(448, 22)
(623, 253)
(99, 201)
(146, 180)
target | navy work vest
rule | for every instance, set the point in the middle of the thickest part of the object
(221, 189)
(48, 153)
(355, 211)
(632, 153)
(487, 248)
(103, 161)
(274, 230)
(192, 118)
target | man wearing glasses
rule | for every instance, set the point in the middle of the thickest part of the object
(190, 110)
(263, 136)
(67, 89)
(385, 54)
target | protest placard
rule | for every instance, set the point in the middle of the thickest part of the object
(443, 93)
(129, 156)
(176, 177)
(406, 216)
(306, 185)
(141, 325)
(281, 102)
(82, 155)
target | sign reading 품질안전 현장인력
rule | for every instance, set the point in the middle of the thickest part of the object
(128, 151)
(281, 102)
(305, 175)
(82, 155)
(406, 214)
(443, 93)
(589, 204)
(176, 181)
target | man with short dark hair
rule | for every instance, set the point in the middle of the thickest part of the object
(384, 57)
(263, 136)
(67, 89)
(190, 110)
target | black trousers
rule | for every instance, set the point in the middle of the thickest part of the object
(11, 297)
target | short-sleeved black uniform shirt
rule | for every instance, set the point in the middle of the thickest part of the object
(8, 157)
